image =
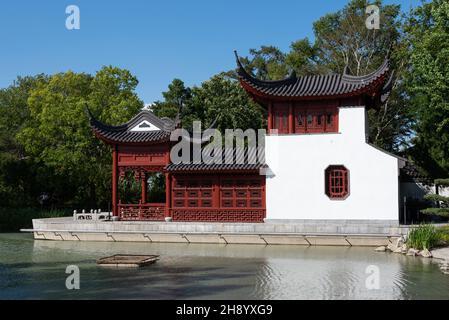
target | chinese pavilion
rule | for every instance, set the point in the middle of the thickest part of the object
(194, 192)
(320, 163)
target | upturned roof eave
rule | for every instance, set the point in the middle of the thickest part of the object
(369, 90)
(110, 141)
(367, 84)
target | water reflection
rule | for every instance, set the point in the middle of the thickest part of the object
(328, 273)
(36, 269)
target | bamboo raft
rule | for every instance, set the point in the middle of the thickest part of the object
(127, 260)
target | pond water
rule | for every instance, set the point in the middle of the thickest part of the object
(32, 269)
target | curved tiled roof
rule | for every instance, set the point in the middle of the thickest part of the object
(123, 133)
(245, 159)
(314, 86)
(214, 167)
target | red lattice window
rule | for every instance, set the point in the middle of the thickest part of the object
(242, 193)
(337, 182)
(192, 192)
(229, 191)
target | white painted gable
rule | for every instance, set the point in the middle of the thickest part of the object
(145, 126)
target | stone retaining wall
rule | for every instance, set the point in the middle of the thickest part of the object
(293, 232)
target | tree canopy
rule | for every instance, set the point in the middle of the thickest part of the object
(427, 85)
(52, 139)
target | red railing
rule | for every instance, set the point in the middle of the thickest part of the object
(218, 215)
(136, 212)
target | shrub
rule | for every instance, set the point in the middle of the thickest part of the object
(442, 202)
(444, 235)
(13, 219)
(423, 237)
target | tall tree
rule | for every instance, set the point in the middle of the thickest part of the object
(175, 99)
(343, 39)
(17, 173)
(219, 101)
(267, 63)
(427, 85)
(222, 100)
(58, 136)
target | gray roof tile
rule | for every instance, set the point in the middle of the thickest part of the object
(315, 85)
(122, 133)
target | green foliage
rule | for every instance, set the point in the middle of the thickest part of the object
(267, 63)
(156, 188)
(18, 183)
(442, 212)
(442, 202)
(12, 220)
(175, 99)
(436, 198)
(444, 235)
(223, 99)
(47, 146)
(344, 40)
(129, 189)
(442, 182)
(427, 84)
(423, 237)
(219, 98)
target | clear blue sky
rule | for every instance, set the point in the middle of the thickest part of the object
(156, 40)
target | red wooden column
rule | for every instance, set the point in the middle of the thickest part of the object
(143, 182)
(291, 127)
(216, 192)
(114, 180)
(167, 194)
(270, 117)
(264, 195)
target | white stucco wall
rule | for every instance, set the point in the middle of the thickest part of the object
(296, 188)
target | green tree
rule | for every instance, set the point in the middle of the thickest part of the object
(443, 202)
(219, 99)
(58, 137)
(343, 40)
(18, 184)
(267, 63)
(304, 58)
(222, 99)
(427, 85)
(175, 99)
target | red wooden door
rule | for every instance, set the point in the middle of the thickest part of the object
(281, 118)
